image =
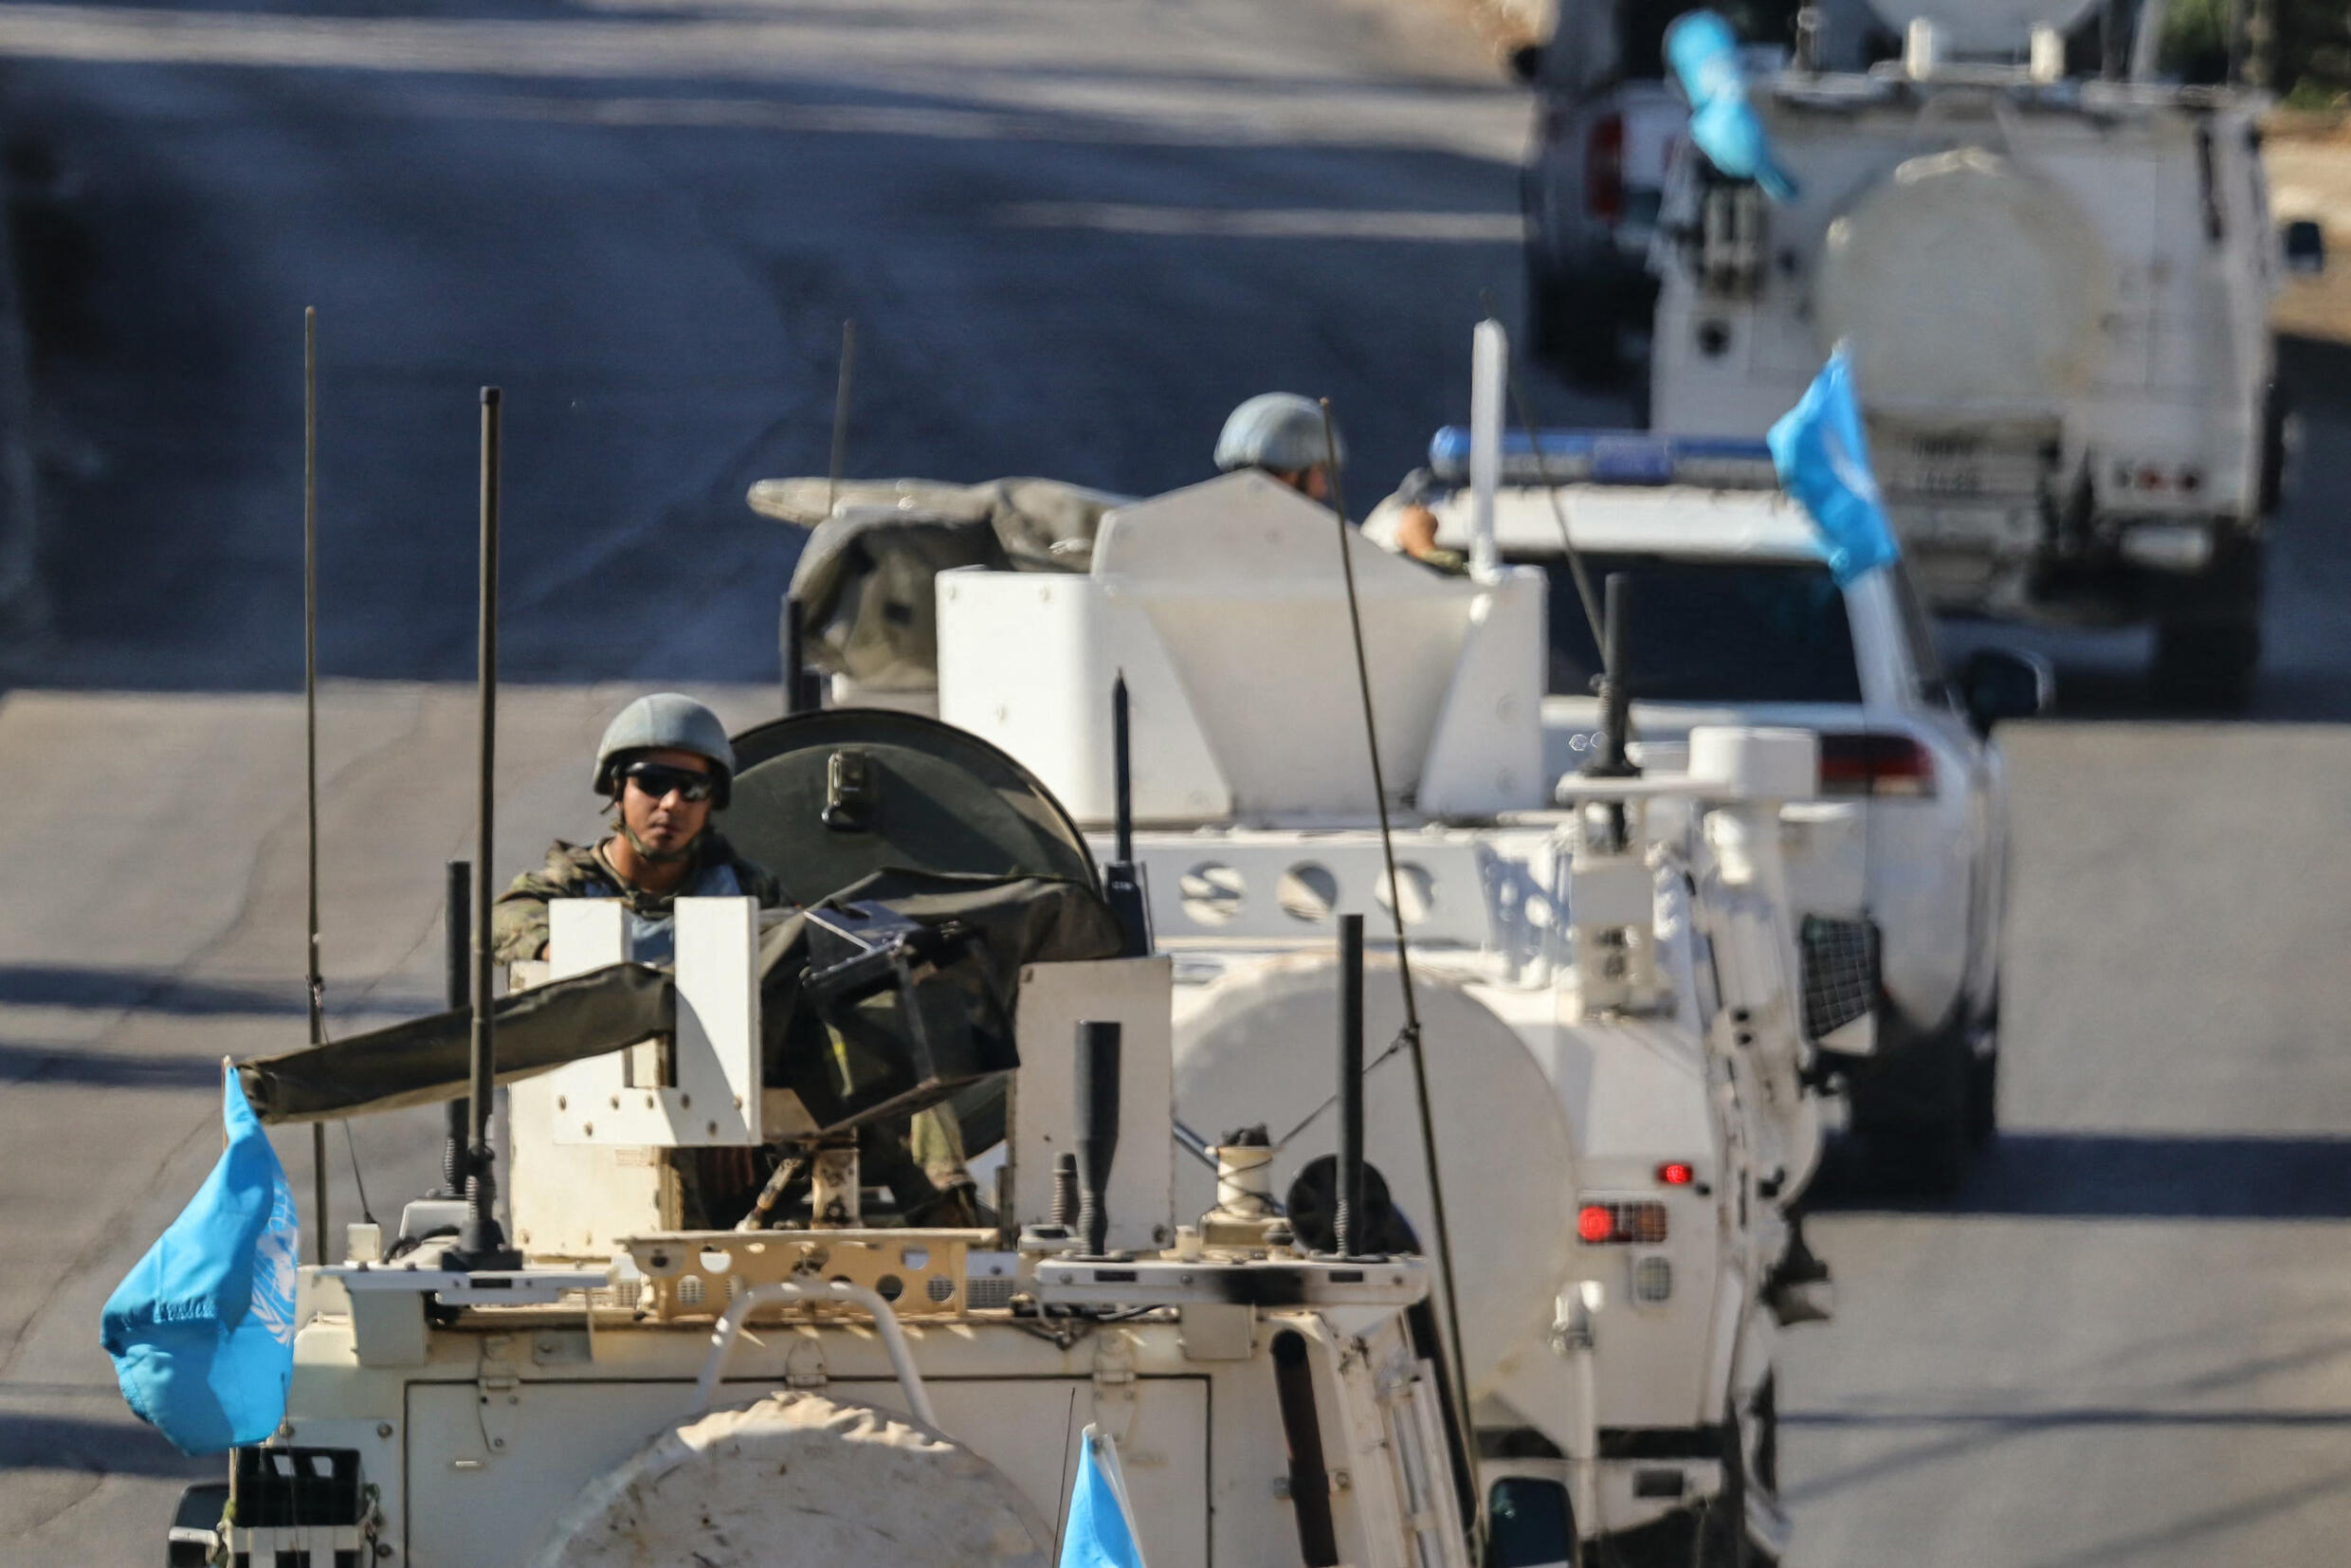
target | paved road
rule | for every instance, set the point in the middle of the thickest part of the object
(1072, 235)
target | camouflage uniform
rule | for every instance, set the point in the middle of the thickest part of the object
(519, 923)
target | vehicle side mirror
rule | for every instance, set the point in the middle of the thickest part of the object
(2305, 243)
(1527, 65)
(1999, 682)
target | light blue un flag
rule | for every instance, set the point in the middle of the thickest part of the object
(1704, 55)
(1823, 458)
(1101, 1525)
(202, 1328)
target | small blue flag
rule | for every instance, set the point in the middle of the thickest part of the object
(1101, 1525)
(1704, 55)
(1823, 457)
(202, 1328)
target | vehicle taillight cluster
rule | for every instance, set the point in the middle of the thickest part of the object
(2155, 478)
(1604, 169)
(1875, 765)
(1621, 1224)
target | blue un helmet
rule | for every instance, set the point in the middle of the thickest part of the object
(1279, 430)
(665, 722)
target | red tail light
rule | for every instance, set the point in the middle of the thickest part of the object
(1676, 1172)
(1875, 765)
(1604, 169)
(1620, 1224)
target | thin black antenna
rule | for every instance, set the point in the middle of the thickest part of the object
(457, 964)
(1412, 1008)
(841, 415)
(1584, 593)
(1123, 882)
(481, 1244)
(1122, 770)
(314, 984)
(1095, 1093)
(1349, 1235)
(1615, 690)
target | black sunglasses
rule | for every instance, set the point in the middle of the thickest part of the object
(656, 779)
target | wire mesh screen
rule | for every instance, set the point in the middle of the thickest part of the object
(1840, 960)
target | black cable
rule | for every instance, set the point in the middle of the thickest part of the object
(1410, 1032)
(1551, 492)
(351, 1146)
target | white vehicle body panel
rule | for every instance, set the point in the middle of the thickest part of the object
(2134, 218)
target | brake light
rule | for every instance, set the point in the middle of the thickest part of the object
(1875, 765)
(1675, 1173)
(1621, 1224)
(1604, 169)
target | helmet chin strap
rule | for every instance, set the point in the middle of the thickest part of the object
(647, 852)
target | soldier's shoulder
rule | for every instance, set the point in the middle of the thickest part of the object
(757, 880)
(567, 866)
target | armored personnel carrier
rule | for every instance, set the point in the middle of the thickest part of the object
(713, 1347)
(1600, 966)
(2056, 288)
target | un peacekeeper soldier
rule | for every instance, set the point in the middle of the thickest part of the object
(1282, 435)
(664, 765)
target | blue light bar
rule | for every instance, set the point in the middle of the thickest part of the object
(1611, 456)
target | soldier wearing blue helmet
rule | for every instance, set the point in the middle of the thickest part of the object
(1284, 435)
(663, 766)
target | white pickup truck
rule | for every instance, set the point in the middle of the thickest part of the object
(1737, 620)
(2055, 290)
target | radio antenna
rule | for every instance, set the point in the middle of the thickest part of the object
(481, 1245)
(1459, 1382)
(841, 415)
(314, 985)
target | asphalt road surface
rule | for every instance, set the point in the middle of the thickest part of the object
(1072, 235)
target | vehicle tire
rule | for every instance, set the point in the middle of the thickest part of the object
(1723, 1538)
(1983, 1076)
(799, 1480)
(2207, 666)
(2208, 644)
(2276, 451)
(1914, 1115)
(1983, 1096)
(1575, 323)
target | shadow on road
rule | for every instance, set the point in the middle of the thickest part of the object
(2124, 1175)
(145, 990)
(160, 991)
(120, 1445)
(104, 1069)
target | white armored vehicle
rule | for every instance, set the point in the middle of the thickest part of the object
(714, 1348)
(2056, 292)
(1601, 967)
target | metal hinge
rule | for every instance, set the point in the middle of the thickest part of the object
(1114, 1383)
(497, 1391)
